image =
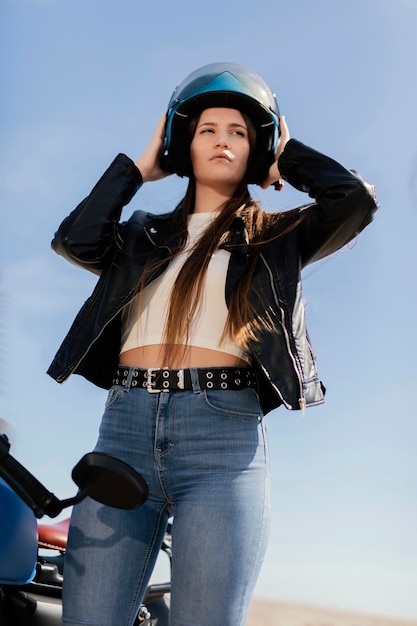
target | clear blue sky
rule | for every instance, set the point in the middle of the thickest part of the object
(82, 81)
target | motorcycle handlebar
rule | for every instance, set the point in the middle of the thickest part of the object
(31, 491)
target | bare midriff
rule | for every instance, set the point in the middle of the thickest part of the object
(182, 357)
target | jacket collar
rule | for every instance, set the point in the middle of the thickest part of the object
(237, 239)
(165, 231)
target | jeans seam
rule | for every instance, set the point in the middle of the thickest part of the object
(265, 501)
(135, 604)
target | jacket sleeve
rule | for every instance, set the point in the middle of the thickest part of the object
(344, 201)
(88, 235)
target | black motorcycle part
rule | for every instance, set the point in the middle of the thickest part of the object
(110, 481)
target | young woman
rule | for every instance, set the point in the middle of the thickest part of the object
(197, 329)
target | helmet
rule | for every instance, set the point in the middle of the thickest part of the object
(222, 85)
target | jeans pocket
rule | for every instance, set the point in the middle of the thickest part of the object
(113, 396)
(243, 404)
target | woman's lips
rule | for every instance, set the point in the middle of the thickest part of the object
(226, 154)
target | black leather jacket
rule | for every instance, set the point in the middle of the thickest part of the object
(92, 237)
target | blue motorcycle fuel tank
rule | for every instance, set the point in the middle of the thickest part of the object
(18, 538)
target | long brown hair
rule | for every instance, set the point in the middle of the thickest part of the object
(241, 324)
(262, 228)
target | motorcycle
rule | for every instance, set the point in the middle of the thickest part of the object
(32, 553)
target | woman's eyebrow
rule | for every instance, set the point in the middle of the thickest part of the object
(231, 125)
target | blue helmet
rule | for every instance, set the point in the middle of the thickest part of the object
(222, 85)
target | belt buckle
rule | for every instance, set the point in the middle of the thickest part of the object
(150, 384)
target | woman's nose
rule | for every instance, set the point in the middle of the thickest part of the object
(222, 140)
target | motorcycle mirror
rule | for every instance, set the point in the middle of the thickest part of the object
(110, 481)
(101, 476)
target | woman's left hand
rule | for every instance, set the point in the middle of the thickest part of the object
(274, 173)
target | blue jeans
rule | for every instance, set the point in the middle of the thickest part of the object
(204, 456)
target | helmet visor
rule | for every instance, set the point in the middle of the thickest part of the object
(225, 77)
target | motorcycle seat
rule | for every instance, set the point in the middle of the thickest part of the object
(53, 536)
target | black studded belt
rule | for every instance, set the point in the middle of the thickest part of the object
(157, 380)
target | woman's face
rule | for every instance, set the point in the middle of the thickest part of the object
(220, 148)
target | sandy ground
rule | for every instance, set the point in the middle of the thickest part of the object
(270, 613)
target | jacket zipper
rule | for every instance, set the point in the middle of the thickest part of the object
(73, 368)
(301, 399)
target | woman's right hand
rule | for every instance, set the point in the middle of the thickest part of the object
(149, 162)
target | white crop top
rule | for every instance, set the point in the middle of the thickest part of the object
(146, 327)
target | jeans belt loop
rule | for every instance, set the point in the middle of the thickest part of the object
(195, 381)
